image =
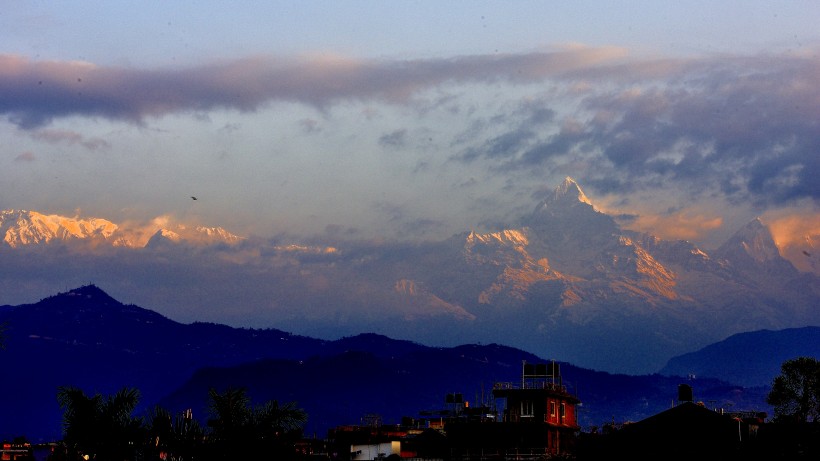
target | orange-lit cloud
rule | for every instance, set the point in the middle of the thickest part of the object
(68, 137)
(792, 229)
(687, 224)
(797, 235)
(27, 156)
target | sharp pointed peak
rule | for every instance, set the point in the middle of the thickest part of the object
(567, 194)
(570, 189)
(755, 241)
(755, 227)
(569, 210)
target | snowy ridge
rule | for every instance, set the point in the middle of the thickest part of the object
(24, 228)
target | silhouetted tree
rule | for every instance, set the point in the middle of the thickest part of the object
(278, 427)
(100, 427)
(80, 419)
(239, 431)
(178, 437)
(795, 394)
(230, 417)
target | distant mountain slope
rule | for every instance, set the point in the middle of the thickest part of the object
(345, 388)
(748, 359)
(85, 338)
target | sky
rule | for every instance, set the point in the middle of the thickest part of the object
(413, 120)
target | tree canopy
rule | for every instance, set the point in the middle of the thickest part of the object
(239, 429)
(98, 425)
(103, 427)
(795, 394)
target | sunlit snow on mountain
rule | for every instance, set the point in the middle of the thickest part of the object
(22, 228)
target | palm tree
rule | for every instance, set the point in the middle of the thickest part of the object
(273, 420)
(121, 432)
(98, 426)
(179, 437)
(80, 419)
(277, 427)
(239, 431)
(229, 411)
(229, 421)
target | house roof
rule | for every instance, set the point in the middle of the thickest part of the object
(685, 430)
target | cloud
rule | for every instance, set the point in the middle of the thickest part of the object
(743, 127)
(310, 125)
(37, 92)
(688, 224)
(791, 228)
(69, 138)
(397, 138)
(27, 156)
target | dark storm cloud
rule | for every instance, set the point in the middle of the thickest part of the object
(37, 92)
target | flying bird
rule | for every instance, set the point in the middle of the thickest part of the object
(193, 198)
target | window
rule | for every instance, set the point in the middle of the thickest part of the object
(527, 409)
(552, 408)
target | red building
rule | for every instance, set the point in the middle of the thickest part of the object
(15, 451)
(533, 418)
(538, 419)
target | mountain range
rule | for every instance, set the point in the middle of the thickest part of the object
(85, 338)
(567, 282)
(26, 228)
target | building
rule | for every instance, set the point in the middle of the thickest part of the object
(686, 431)
(537, 420)
(533, 418)
(14, 451)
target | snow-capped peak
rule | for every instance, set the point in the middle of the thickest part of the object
(755, 240)
(22, 227)
(567, 195)
(214, 234)
(754, 247)
(569, 189)
(569, 211)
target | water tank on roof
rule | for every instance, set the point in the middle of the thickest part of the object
(684, 393)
